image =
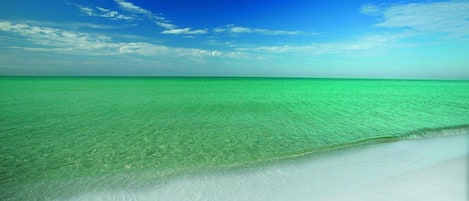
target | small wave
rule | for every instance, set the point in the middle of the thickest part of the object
(412, 135)
(436, 132)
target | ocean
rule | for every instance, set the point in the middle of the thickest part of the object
(64, 135)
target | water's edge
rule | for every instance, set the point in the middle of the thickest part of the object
(50, 190)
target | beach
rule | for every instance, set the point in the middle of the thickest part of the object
(424, 169)
(446, 180)
(132, 100)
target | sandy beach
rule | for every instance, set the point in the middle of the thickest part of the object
(446, 180)
(426, 169)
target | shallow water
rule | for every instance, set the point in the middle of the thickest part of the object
(358, 173)
(59, 135)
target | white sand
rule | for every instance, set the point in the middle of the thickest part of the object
(429, 169)
(444, 181)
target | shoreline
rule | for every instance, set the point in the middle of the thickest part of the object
(402, 170)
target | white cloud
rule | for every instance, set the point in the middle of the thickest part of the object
(56, 38)
(232, 29)
(451, 18)
(366, 45)
(157, 19)
(130, 7)
(76, 25)
(113, 14)
(135, 10)
(86, 10)
(162, 22)
(240, 30)
(68, 42)
(69, 25)
(165, 25)
(60, 41)
(369, 9)
(184, 31)
(219, 30)
(103, 12)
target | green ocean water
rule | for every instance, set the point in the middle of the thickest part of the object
(61, 135)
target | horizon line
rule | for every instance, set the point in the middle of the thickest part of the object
(253, 77)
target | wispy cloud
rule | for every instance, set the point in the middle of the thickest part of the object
(55, 38)
(165, 25)
(370, 9)
(362, 46)
(103, 12)
(69, 24)
(159, 20)
(130, 7)
(184, 31)
(232, 29)
(450, 18)
(86, 10)
(113, 14)
(79, 43)
(77, 25)
(171, 28)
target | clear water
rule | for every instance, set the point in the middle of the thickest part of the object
(62, 135)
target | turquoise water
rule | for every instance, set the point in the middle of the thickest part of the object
(62, 135)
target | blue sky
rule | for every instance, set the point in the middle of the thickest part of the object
(295, 38)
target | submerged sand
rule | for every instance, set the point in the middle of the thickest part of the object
(426, 169)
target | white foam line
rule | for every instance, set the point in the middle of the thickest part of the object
(372, 172)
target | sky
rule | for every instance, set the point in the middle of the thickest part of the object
(294, 38)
